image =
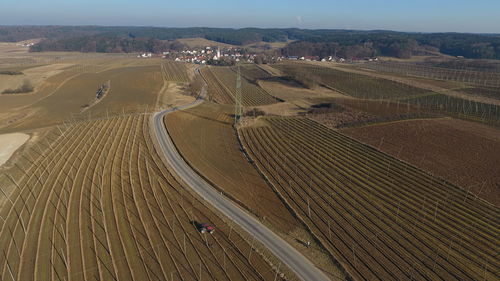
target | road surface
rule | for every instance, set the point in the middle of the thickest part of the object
(281, 249)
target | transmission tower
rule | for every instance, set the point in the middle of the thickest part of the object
(238, 107)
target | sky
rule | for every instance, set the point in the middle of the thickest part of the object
(477, 16)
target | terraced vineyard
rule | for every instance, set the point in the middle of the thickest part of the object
(174, 71)
(380, 218)
(222, 88)
(95, 202)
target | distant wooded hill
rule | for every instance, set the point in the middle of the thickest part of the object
(321, 42)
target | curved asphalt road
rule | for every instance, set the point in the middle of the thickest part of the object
(281, 249)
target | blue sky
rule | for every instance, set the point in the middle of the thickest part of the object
(405, 15)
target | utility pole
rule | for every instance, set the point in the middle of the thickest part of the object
(238, 107)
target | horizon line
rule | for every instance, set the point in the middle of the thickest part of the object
(248, 27)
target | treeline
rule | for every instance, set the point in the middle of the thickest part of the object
(474, 46)
(350, 44)
(101, 44)
(223, 35)
(26, 87)
(321, 42)
(364, 49)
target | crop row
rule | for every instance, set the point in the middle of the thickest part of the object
(362, 86)
(97, 203)
(174, 71)
(352, 84)
(380, 218)
(253, 72)
(481, 78)
(222, 86)
(216, 90)
(461, 108)
(489, 92)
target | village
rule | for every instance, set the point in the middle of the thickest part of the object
(229, 56)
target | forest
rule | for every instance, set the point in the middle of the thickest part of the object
(304, 42)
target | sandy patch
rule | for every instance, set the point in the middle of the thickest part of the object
(9, 143)
(173, 95)
(282, 108)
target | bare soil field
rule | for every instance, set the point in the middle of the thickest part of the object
(49, 85)
(133, 89)
(94, 201)
(460, 152)
(58, 69)
(12, 48)
(9, 143)
(382, 219)
(35, 75)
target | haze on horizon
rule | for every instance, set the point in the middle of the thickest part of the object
(479, 16)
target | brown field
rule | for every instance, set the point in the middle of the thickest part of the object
(35, 75)
(460, 152)
(94, 201)
(43, 89)
(380, 218)
(56, 72)
(89, 198)
(132, 90)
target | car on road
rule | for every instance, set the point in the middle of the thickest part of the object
(205, 227)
